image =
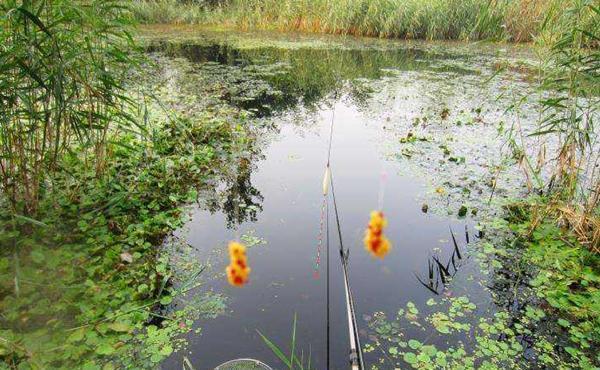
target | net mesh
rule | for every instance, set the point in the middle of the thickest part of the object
(243, 364)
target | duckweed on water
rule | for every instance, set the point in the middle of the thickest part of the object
(250, 239)
(547, 311)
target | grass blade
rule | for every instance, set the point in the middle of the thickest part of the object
(275, 350)
(30, 220)
(293, 342)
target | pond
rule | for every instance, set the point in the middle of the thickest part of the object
(417, 130)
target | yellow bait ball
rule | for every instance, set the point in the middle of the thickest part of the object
(375, 242)
(238, 270)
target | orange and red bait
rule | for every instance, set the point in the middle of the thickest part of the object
(375, 242)
(238, 270)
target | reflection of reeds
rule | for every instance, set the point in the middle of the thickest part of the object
(305, 74)
(438, 272)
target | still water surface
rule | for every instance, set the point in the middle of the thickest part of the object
(374, 105)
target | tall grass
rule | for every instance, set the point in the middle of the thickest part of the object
(62, 68)
(430, 19)
(171, 11)
(512, 20)
(566, 163)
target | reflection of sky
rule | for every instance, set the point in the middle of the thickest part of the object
(460, 153)
(281, 281)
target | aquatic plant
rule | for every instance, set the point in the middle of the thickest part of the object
(545, 288)
(493, 346)
(69, 269)
(500, 340)
(250, 239)
(438, 272)
(238, 270)
(375, 242)
(62, 73)
(87, 275)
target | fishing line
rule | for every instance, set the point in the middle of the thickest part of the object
(325, 188)
(317, 263)
(236, 207)
(382, 181)
(331, 131)
(326, 179)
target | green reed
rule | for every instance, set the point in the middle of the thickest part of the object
(62, 70)
(293, 360)
(171, 11)
(518, 20)
(564, 165)
(570, 111)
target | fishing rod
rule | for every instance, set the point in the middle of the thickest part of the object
(356, 356)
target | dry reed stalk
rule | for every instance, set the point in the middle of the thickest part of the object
(585, 226)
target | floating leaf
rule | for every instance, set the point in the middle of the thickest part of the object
(410, 358)
(105, 349)
(414, 344)
(120, 327)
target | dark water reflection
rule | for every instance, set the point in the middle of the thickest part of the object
(281, 201)
(304, 75)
